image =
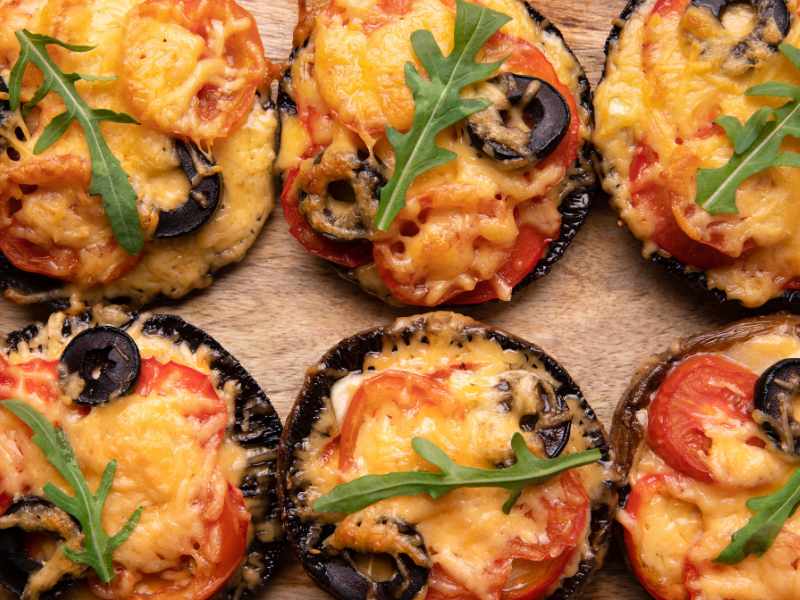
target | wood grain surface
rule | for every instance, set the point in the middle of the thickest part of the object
(601, 312)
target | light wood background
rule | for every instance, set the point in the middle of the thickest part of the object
(601, 312)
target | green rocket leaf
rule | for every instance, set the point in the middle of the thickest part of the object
(437, 100)
(528, 470)
(109, 180)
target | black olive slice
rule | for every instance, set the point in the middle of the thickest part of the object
(339, 196)
(106, 360)
(19, 570)
(527, 120)
(776, 392)
(772, 26)
(203, 197)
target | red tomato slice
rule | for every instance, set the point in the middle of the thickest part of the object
(641, 494)
(158, 378)
(526, 254)
(56, 261)
(665, 7)
(528, 571)
(203, 581)
(699, 388)
(222, 103)
(38, 377)
(408, 391)
(347, 254)
(5, 502)
(668, 235)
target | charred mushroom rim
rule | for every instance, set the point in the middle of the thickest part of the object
(675, 66)
(474, 230)
(702, 430)
(199, 156)
(156, 395)
(458, 376)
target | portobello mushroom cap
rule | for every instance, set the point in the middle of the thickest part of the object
(628, 433)
(577, 196)
(697, 279)
(257, 429)
(336, 573)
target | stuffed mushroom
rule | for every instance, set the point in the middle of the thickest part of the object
(496, 216)
(707, 434)
(685, 127)
(162, 423)
(468, 390)
(177, 94)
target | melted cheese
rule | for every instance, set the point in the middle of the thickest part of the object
(466, 530)
(664, 87)
(169, 462)
(169, 267)
(693, 522)
(458, 227)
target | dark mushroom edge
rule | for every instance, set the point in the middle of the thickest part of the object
(204, 198)
(697, 279)
(628, 433)
(335, 574)
(257, 428)
(577, 197)
(31, 514)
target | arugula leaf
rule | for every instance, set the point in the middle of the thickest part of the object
(528, 470)
(109, 180)
(771, 512)
(437, 101)
(86, 507)
(756, 144)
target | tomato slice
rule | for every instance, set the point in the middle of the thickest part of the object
(223, 73)
(526, 254)
(528, 571)
(700, 388)
(642, 493)
(408, 391)
(346, 254)
(5, 502)
(158, 378)
(657, 199)
(34, 378)
(56, 261)
(665, 7)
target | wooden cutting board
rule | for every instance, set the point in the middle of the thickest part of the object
(600, 313)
